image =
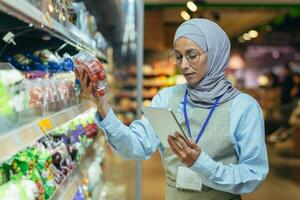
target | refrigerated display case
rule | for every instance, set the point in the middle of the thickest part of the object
(50, 142)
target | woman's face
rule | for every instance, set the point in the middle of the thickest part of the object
(191, 59)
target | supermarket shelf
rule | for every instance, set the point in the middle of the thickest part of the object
(148, 74)
(149, 85)
(27, 135)
(70, 185)
(159, 73)
(120, 109)
(126, 94)
(27, 12)
(132, 95)
(158, 85)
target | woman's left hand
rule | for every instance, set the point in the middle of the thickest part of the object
(187, 151)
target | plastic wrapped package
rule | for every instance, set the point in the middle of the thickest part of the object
(62, 163)
(19, 190)
(36, 96)
(36, 74)
(19, 61)
(14, 82)
(49, 95)
(63, 91)
(95, 71)
(66, 87)
(79, 194)
(14, 98)
(82, 16)
(67, 64)
(57, 9)
(92, 25)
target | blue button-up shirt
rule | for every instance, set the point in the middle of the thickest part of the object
(139, 141)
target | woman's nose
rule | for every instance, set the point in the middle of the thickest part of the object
(184, 63)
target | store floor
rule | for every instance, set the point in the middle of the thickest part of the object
(283, 181)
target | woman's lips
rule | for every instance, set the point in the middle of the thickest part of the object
(189, 75)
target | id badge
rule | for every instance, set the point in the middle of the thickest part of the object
(188, 179)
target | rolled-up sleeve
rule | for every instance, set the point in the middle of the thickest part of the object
(248, 138)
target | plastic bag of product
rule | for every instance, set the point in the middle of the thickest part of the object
(19, 190)
(35, 89)
(95, 71)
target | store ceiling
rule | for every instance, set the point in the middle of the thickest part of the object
(234, 22)
(225, 1)
(235, 19)
(234, 16)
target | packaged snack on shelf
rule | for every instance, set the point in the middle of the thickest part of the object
(68, 64)
(62, 163)
(14, 82)
(19, 61)
(35, 89)
(95, 71)
(46, 173)
(79, 195)
(36, 74)
(14, 98)
(3, 175)
(23, 189)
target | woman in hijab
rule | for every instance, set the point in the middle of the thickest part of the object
(226, 153)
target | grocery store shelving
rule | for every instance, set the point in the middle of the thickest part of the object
(43, 122)
(26, 135)
(70, 185)
(27, 12)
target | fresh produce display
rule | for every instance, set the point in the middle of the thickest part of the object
(39, 92)
(44, 83)
(46, 164)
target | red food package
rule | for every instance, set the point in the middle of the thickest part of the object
(95, 71)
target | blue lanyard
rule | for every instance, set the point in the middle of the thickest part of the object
(206, 121)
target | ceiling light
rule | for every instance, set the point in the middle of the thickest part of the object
(185, 15)
(246, 36)
(263, 80)
(192, 6)
(253, 33)
(241, 39)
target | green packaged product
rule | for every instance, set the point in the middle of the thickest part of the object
(47, 176)
(3, 176)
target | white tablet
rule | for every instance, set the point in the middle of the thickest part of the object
(164, 123)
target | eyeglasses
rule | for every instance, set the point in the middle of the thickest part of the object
(192, 56)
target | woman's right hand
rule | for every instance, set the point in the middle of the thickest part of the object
(88, 92)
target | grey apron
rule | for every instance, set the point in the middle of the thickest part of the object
(215, 142)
